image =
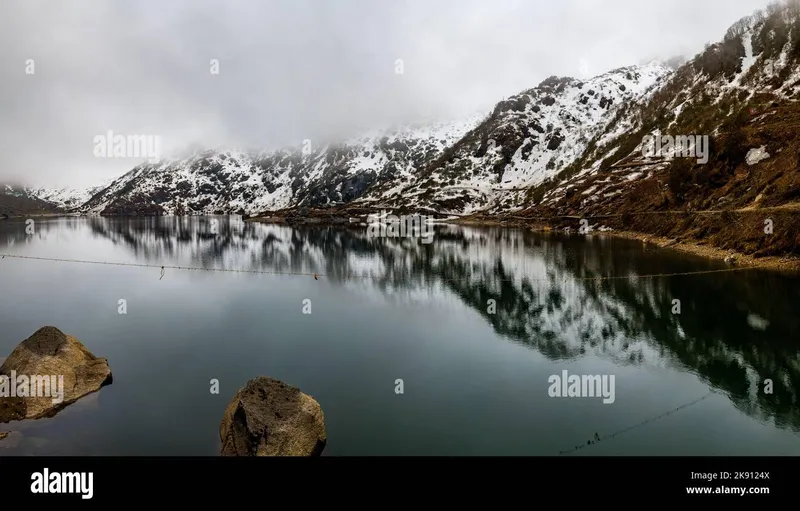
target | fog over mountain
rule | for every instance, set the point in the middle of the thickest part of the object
(296, 70)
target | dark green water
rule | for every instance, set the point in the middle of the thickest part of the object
(474, 382)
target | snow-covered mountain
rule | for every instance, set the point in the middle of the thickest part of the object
(527, 138)
(742, 93)
(234, 181)
(67, 198)
(565, 147)
(61, 198)
(452, 167)
(15, 200)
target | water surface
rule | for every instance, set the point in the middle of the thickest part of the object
(474, 324)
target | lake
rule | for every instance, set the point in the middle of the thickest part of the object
(474, 323)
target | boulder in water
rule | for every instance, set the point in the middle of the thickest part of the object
(46, 372)
(267, 417)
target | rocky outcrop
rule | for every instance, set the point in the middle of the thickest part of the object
(134, 206)
(270, 418)
(45, 373)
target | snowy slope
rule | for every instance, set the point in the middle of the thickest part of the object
(66, 198)
(535, 149)
(528, 138)
(230, 181)
(453, 167)
(747, 83)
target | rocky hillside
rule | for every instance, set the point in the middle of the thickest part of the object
(743, 94)
(527, 139)
(16, 201)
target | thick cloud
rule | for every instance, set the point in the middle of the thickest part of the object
(291, 70)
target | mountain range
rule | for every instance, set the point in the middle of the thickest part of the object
(565, 149)
(454, 167)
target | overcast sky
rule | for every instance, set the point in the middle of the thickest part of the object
(291, 70)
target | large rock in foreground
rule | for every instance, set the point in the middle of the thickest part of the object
(270, 418)
(39, 364)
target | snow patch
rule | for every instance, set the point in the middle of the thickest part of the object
(756, 155)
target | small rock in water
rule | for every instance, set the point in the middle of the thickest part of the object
(54, 369)
(270, 418)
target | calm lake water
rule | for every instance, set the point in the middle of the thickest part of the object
(475, 372)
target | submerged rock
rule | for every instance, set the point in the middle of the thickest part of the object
(46, 372)
(270, 418)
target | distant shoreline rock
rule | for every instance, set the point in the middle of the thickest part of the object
(55, 368)
(268, 417)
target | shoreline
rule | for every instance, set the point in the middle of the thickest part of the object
(781, 264)
(775, 263)
(36, 215)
